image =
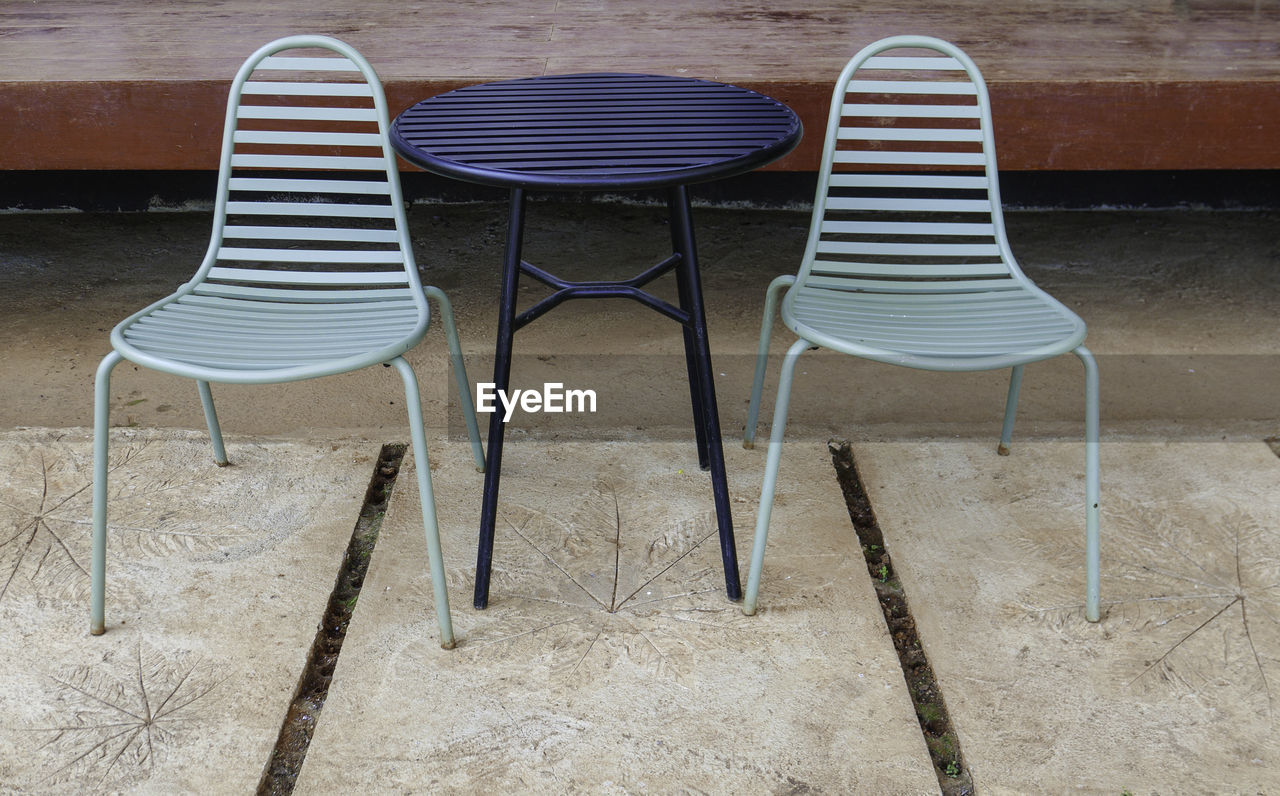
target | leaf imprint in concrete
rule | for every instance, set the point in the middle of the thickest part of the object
(45, 506)
(1202, 587)
(614, 584)
(44, 530)
(120, 716)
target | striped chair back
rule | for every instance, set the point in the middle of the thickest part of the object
(308, 205)
(908, 199)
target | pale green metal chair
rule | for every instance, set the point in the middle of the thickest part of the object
(310, 270)
(907, 259)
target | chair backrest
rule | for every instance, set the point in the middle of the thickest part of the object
(308, 207)
(908, 199)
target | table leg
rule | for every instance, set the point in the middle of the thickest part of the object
(690, 356)
(501, 379)
(682, 234)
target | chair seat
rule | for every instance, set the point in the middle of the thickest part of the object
(249, 340)
(995, 328)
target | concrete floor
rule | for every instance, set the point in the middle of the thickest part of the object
(217, 578)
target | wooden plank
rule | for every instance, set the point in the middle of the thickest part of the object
(1060, 126)
(1073, 39)
(1078, 84)
(165, 125)
(1132, 125)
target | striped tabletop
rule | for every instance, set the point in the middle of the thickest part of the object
(595, 131)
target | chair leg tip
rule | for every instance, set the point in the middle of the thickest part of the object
(97, 630)
(448, 645)
(480, 468)
(748, 610)
(222, 462)
(1002, 449)
(749, 444)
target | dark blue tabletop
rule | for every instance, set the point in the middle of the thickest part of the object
(595, 131)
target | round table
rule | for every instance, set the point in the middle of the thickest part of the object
(601, 132)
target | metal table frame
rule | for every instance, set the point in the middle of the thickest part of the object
(601, 132)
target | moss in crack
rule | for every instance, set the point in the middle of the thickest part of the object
(930, 707)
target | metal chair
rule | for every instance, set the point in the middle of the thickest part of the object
(309, 272)
(907, 259)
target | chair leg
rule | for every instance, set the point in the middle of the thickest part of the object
(1010, 409)
(418, 438)
(771, 473)
(762, 355)
(1092, 487)
(211, 418)
(459, 372)
(98, 565)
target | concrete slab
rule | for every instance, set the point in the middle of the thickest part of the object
(216, 578)
(609, 660)
(1176, 690)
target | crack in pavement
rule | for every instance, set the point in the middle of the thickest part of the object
(282, 769)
